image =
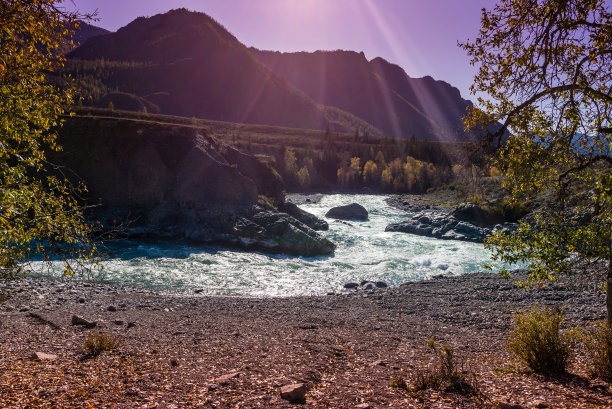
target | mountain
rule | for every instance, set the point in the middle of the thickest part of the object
(85, 31)
(79, 33)
(187, 64)
(377, 91)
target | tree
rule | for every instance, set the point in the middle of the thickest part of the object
(547, 68)
(370, 173)
(303, 177)
(291, 167)
(38, 214)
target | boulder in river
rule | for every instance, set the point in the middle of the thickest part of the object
(308, 219)
(445, 227)
(353, 211)
(272, 231)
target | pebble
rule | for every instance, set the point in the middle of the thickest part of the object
(76, 320)
(41, 356)
(225, 379)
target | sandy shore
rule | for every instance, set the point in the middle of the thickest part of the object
(218, 352)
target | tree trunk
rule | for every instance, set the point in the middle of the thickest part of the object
(609, 290)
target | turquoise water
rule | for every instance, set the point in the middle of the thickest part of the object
(364, 252)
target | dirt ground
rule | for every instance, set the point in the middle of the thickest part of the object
(350, 350)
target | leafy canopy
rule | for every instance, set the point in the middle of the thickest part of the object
(38, 213)
(546, 66)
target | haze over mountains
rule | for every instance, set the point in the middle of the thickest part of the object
(185, 63)
(377, 91)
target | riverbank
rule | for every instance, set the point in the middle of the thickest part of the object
(200, 351)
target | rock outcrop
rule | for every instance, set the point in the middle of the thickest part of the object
(308, 219)
(353, 211)
(446, 227)
(175, 182)
(476, 215)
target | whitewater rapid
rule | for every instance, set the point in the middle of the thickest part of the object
(364, 252)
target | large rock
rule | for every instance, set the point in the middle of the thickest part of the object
(446, 227)
(353, 211)
(476, 215)
(175, 182)
(279, 232)
(308, 219)
(441, 226)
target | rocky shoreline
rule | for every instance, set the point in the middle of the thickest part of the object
(447, 221)
(346, 349)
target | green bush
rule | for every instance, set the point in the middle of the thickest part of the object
(537, 340)
(95, 344)
(598, 344)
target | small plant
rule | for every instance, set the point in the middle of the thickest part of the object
(536, 339)
(598, 344)
(95, 344)
(445, 373)
(475, 198)
(399, 383)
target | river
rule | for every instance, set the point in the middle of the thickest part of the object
(364, 252)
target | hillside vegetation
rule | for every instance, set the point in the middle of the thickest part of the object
(328, 160)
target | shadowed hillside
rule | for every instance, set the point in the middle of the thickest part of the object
(187, 64)
(377, 91)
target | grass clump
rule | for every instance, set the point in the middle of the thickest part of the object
(598, 345)
(445, 373)
(399, 383)
(95, 344)
(537, 340)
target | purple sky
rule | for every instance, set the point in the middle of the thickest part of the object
(419, 35)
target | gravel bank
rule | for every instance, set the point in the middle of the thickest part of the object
(200, 351)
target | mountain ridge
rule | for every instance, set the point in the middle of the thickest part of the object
(186, 63)
(378, 91)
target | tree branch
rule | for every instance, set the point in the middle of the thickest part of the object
(568, 87)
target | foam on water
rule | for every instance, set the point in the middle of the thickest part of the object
(365, 252)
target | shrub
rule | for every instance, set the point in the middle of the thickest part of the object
(598, 344)
(536, 339)
(445, 373)
(475, 198)
(95, 344)
(399, 383)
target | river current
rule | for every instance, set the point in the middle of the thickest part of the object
(364, 252)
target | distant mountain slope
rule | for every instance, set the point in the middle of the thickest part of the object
(86, 31)
(187, 64)
(377, 91)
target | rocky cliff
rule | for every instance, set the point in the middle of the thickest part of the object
(176, 181)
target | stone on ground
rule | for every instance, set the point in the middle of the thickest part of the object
(294, 393)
